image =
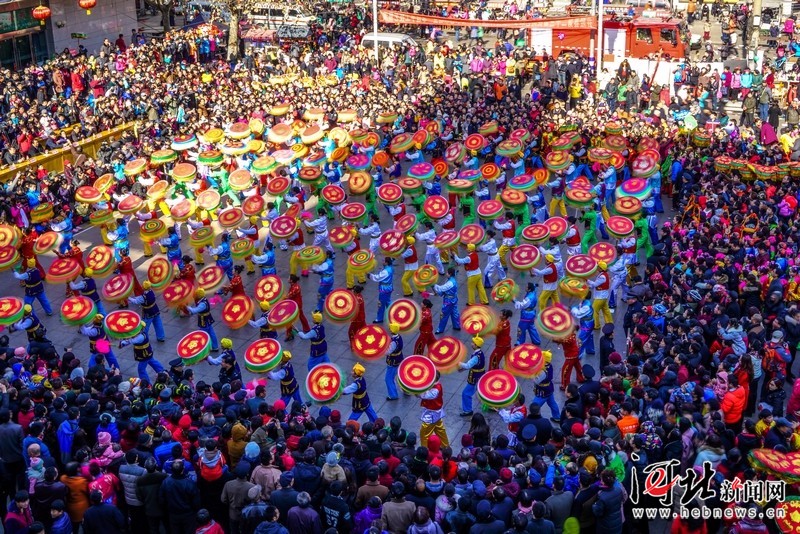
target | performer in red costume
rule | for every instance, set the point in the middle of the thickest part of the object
(426, 336)
(295, 294)
(503, 340)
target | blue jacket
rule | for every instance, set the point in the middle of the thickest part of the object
(30, 440)
(62, 525)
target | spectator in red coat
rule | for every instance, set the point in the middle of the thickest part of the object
(733, 404)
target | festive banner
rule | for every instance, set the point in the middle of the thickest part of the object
(401, 17)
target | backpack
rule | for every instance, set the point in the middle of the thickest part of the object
(772, 363)
(210, 474)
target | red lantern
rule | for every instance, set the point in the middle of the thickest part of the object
(41, 13)
(87, 5)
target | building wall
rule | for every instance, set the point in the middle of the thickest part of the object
(109, 18)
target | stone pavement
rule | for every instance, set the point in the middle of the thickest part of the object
(338, 343)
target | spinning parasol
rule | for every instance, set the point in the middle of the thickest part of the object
(371, 342)
(263, 355)
(447, 353)
(416, 374)
(122, 324)
(498, 388)
(269, 288)
(237, 311)
(324, 383)
(406, 314)
(194, 347)
(211, 278)
(283, 314)
(75, 311)
(525, 361)
(478, 320)
(340, 305)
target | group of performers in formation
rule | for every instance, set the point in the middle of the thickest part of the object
(483, 264)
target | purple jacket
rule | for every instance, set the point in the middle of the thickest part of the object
(365, 517)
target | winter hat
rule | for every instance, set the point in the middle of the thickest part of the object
(506, 475)
(577, 430)
(242, 469)
(252, 450)
(254, 492)
(479, 488)
(103, 438)
(332, 459)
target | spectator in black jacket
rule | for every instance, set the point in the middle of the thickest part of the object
(606, 344)
(103, 518)
(179, 495)
(45, 492)
(335, 511)
(285, 497)
(148, 488)
(307, 476)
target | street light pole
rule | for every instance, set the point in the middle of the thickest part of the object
(599, 60)
(755, 16)
(375, 28)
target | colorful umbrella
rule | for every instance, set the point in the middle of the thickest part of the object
(536, 233)
(178, 293)
(619, 226)
(580, 266)
(61, 270)
(524, 257)
(160, 273)
(12, 310)
(558, 227)
(283, 227)
(490, 209)
(211, 278)
(505, 291)
(407, 223)
(436, 206)
(361, 261)
(472, 234)
(283, 314)
(425, 276)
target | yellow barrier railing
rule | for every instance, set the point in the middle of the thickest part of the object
(53, 161)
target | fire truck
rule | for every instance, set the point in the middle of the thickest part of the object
(639, 37)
